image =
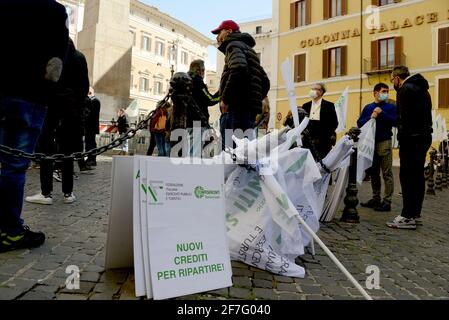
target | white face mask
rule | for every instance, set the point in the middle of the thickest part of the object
(313, 94)
(383, 97)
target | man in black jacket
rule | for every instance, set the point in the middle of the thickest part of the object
(244, 83)
(63, 131)
(414, 107)
(323, 120)
(26, 82)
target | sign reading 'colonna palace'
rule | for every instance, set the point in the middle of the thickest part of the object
(383, 27)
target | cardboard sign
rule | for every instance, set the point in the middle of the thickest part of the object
(188, 250)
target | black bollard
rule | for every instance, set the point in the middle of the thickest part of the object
(430, 181)
(350, 213)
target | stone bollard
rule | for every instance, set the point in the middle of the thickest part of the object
(430, 181)
(350, 213)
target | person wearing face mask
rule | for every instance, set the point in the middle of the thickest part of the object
(414, 110)
(323, 120)
(244, 83)
(386, 118)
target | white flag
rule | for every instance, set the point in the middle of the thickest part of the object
(444, 130)
(287, 75)
(366, 146)
(133, 109)
(341, 107)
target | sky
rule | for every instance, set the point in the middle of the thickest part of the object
(206, 15)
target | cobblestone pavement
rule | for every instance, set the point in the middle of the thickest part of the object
(413, 264)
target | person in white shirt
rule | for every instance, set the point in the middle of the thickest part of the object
(323, 120)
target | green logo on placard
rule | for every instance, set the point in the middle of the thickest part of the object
(201, 193)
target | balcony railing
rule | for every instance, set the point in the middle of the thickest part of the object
(369, 68)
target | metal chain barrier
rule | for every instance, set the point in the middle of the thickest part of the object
(81, 155)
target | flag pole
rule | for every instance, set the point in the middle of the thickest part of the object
(334, 259)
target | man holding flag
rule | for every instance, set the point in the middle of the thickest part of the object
(386, 119)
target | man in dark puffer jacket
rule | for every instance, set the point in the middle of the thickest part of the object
(244, 84)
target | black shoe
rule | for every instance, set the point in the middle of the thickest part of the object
(24, 240)
(371, 204)
(383, 207)
(91, 163)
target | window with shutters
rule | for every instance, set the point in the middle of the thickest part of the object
(386, 53)
(144, 84)
(443, 93)
(300, 68)
(300, 13)
(158, 87)
(184, 58)
(146, 43)
(335, 62)
(160, 48)
(443, 45)
(335, 8)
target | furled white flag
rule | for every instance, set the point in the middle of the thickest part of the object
(133, 109)
(366, 146)
(444, 130)
(341, 107)
(287, 75)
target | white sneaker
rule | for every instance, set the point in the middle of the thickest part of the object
(40, 199)
(69, 198)
(402, 223)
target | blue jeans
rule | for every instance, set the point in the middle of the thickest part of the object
(20, 125)
(163, 147)
(239, 124)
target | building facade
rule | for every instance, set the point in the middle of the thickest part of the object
(330, 41)
(161, 45)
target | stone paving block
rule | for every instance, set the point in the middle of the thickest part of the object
(266, 294)
(242, 272)
(66, 296)
(221, 292)
(288, 287)
(90, 276)
(317, 297)
(283, 279)
(240, 282)
(46, 289)
(81, 257)
(108, 288)
(291, 296)
(240, 293)
(38, 295)
(259, 283)
(101, 296)
(10, 293)
(263, 276)
(85, 288)
(311, 290)
(335, 291)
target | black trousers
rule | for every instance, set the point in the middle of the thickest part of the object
(413, 151)
(58, 136)
(152, 145)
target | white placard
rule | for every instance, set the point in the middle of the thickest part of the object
(188, 249)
